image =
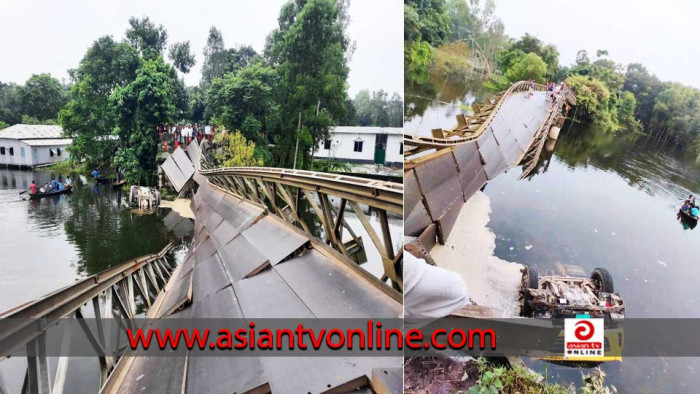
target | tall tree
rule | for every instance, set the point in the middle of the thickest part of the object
(181, 56)
(148, 39)
(151, 99)
(42, 97)
(218, 60)
(87, 118)
(310, 47)
(243, 100)
(10, 104)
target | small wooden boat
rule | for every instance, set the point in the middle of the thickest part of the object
(119, 183)
(103, 180)
(38, 195)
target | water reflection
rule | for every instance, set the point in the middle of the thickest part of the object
(609, 200)
(435, 103)
(50, 242)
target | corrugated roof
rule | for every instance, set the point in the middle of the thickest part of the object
(366, 130)
(49, 142)
(31, 131)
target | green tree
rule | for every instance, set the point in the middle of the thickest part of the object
(151, 99)
(218, 60)
(181, 56)
(235, 151)
(426, 21)
(42, 97)
(147, 38)
(10, 103)
(243, 100)
(530, 66)
(309, 49)
(87, 118)
(593, 101)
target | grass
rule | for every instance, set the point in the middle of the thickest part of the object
(424, 375)
(68, 167)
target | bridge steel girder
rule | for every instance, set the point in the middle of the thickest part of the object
(26, 325)
(272, 190)
(426, 214)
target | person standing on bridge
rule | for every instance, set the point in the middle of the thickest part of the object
(531, 88)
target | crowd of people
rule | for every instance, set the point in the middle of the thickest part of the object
(173, 136)
(49, 187)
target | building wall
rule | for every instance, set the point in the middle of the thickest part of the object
(24, 154)
(342, 148)
(394, 154)
(343, 144)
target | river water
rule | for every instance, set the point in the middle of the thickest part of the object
(596, 199)
(50, 243)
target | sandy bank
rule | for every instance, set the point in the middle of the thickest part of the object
(491, 281)
(180, 205)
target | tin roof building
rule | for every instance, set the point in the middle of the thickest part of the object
(30, 146)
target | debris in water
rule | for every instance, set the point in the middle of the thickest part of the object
(511, 248)
(662, 263)
(613, 233)
(595, 229)
(528, 247)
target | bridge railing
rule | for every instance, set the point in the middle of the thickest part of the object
(281, 191)
(468, 128)
(113, 295)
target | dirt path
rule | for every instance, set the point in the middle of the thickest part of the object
(491, 281)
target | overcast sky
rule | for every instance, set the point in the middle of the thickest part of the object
(662, 35)
(52, 36)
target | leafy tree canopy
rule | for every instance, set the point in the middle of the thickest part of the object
(181, 56)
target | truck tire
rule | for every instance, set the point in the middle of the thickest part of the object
(532, 278)
(603, 279)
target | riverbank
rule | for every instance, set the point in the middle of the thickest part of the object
(469, 251)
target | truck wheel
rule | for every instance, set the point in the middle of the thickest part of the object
(603, 280)
(532, 278)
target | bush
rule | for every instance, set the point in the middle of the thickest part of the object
(452, 59)
(528, 67)
(418, 57)
(235, 151)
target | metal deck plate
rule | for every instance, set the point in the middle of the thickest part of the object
(221, 304)
(491, 152)
(332, 291)
(241, 259)
(183, 162)
(267, 295)
(417, 217)
(158, 375)
(273, 239)
(209, 277)
(440, 184)
(178, 294)
(319, 374)
(224, 233)
(242, 215)
(174, 174)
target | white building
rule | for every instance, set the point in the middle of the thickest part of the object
(363, 145)
(25, 145)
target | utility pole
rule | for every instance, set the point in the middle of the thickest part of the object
(296, 150)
